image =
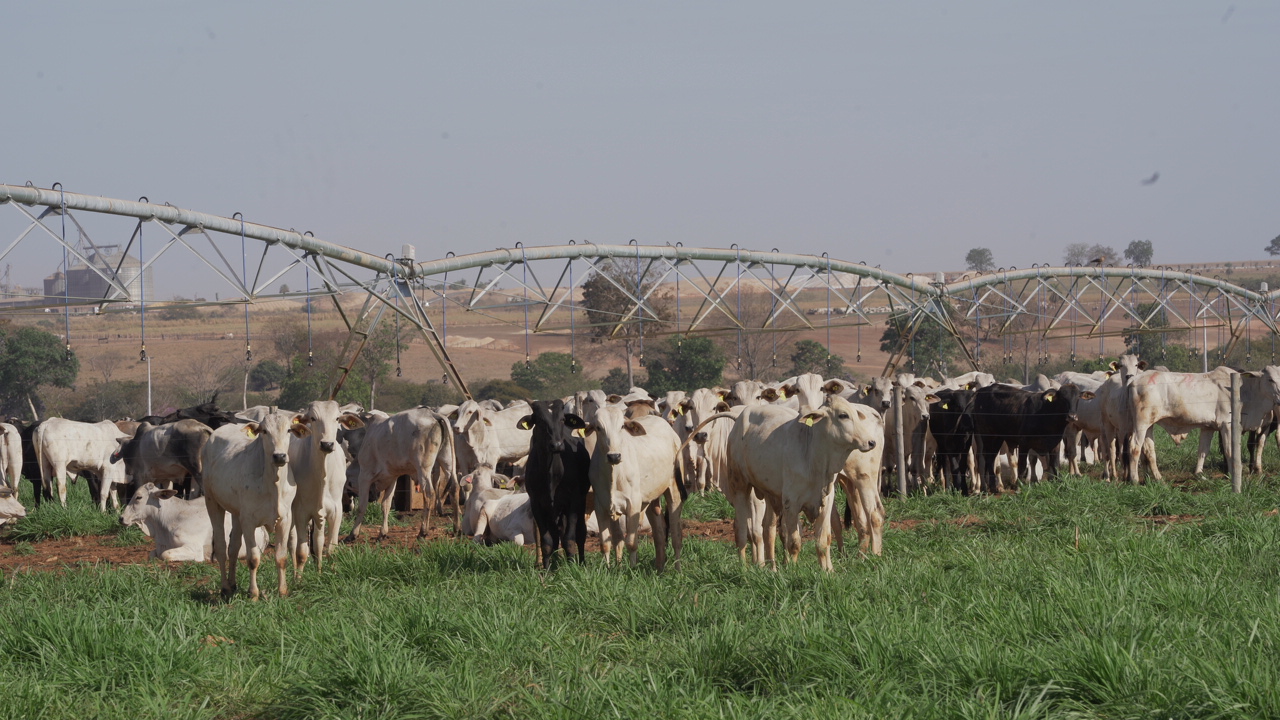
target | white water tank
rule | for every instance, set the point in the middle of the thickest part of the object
(408, 252)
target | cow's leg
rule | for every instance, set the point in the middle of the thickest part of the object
(633, 533)
(767, 530)
(384, 499)
(1257, 444)
(1206, 444)
(362, 505)
(248, 534)
(1135, 450)
(823, 528)
(283, 525)
(605, 524)
(428, 495)
(873, 519)
(580, 535)
(300, 535)
(791, 531)
(742, 535)
(60, 473)
(217, 519)
(233, 551)
(104, 492)
(837, 527)
(675, 524)
(658, 526)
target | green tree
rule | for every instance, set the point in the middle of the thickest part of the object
(685, 364)
(551, 375)
(31, 358)
(305, 384)
(930, 350)
(1156, 346)
(980, 259)
(607, 301)
(1139, 252)
(1083, 254)
(616, 382)
(1274, 247)
(502, 391)
(267, 375)
(810, 356)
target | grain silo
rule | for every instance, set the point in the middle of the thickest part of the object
(86, 282)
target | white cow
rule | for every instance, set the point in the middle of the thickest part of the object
(10, 454)
(791, 460)
(506, 518)
(319, 468)
(1179, 402)
(860, 479)
(10, 508)
(633, 465)
(483, 488)
(498, 441)
(246, 474)
(66, 446)
(407, 443)
(180, 528)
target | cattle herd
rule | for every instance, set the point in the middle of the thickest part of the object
(209, 484)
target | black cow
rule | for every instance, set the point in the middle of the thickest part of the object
(1028, 421)
(207, 413)
(30, 462)
(165, 454)
(556, 476)
(951, 422)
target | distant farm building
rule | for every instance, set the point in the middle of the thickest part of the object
(89, 281)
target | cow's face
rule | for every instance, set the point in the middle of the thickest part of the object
(324, 419)
(1065, 399)
(551, 424)
(145, 504)
(880, 393)
(273, 433)
(847, 424)
(9, 506)
(610, 426)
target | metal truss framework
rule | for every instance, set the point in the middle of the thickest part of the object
(802, 292)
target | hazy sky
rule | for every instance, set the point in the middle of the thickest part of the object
(900, 133)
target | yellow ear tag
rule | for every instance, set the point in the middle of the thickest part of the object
(946, 406)
(580, 432)
(1049, 397)
(249, 431)
(808, 421)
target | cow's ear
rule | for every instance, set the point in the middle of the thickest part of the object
(1049, 395)
(1110, 373)
(1115, 365)
(812, 418)
(769, 394)
(5, 492)
(166, 493)
(1142, 364)
(487, 421)
(721, 406)
(573, 421)
(931, 398)
(946, 406)
(615, 398)
(920, 384)
(722, 393)
(833, 387)
(972, 384)
(525, 423)
(250, 429)
(1087, 395)
(867, 389)
(634, 428)
(299, 429)
(350, 421)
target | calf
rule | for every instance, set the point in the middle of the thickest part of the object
(180, 528)
(407, 443)
(557, 477)
(791, 461)
(246, 470)
(319, 467)
(64, 446)
(1027, 422)
(633, 466)
(10, 508)
(483, 489)
(506, 518)
(10, 455)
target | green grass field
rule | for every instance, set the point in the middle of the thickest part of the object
(1062, 600)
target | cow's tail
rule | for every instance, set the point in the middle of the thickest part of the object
(46, 470)
(701, 425)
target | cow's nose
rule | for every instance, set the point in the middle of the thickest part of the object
(700, 437)
(884, 405)
(614, 458)
(280, 459)
(557, 446)
(1072, 417)
(326, 447)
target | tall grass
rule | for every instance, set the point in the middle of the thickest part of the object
(1064, 600)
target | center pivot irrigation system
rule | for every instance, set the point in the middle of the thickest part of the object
(665, 290)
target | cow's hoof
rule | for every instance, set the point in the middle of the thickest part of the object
(348, 540)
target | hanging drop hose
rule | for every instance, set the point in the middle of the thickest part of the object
(679, 335)
(828, 360)
(311, 360)
(524, 282)
(444, 310)
(142, 285)
(66, 272)
(244, 279)
(639, 294)
(738, 265)
(774, 279)
(573, 329)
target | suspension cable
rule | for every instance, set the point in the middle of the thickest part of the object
(244, 278)
(66, 273)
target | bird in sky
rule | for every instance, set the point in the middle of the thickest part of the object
(1151, 180)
